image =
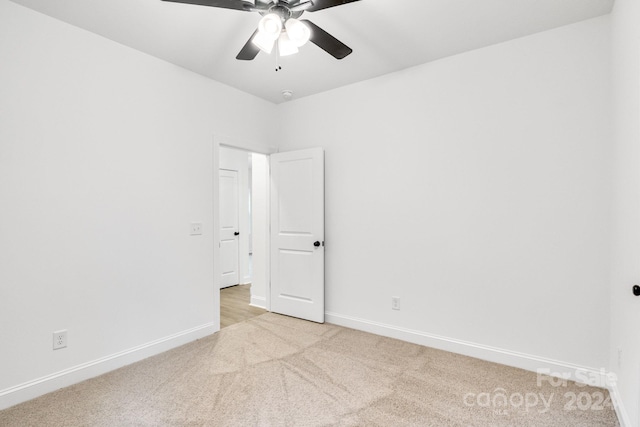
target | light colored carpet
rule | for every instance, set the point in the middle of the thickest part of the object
(278, 371)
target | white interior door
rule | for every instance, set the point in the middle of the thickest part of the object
(229, 232)
(297, 234)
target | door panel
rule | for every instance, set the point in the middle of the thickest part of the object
(297, 265)
(229, 250)
(295, 200)
(297, 222)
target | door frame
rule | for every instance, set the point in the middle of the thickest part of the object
(249, 147)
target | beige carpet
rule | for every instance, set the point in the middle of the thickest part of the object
(277, 371)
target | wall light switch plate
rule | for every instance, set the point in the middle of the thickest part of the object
(196, 228)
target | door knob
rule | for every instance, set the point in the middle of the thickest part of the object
(316, 243)
(636, 290)
(237, 233)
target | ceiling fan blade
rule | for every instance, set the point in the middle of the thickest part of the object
(249, 51)
(225, 4)
(325, 4)
(327, 42)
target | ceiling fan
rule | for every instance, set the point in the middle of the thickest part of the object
(280, 26)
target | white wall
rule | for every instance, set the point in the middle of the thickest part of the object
(475, 188)
(105, 158)
(625, 307)
(238, 160)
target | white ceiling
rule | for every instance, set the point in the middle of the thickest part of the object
(385, 35)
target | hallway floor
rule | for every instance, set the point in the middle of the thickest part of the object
(234, 305)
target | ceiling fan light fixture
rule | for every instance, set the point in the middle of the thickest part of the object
(264, 42)
(298, 32)
(270, 26)
(286, 47)
(273, 23)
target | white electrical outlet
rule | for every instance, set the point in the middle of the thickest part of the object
(196, 228)
(619, 358)
(59, 339)
(395, 303)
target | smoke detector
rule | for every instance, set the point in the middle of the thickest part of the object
(287, 94)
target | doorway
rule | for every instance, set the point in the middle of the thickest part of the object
(242, 228)
(286, 209)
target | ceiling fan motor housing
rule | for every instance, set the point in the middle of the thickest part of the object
(282, 11)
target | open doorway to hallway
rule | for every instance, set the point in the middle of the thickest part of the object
(243, 219)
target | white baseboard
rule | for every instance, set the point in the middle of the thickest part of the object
(623, 415)
(32, 389)
(492, 354)
(260, 302)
